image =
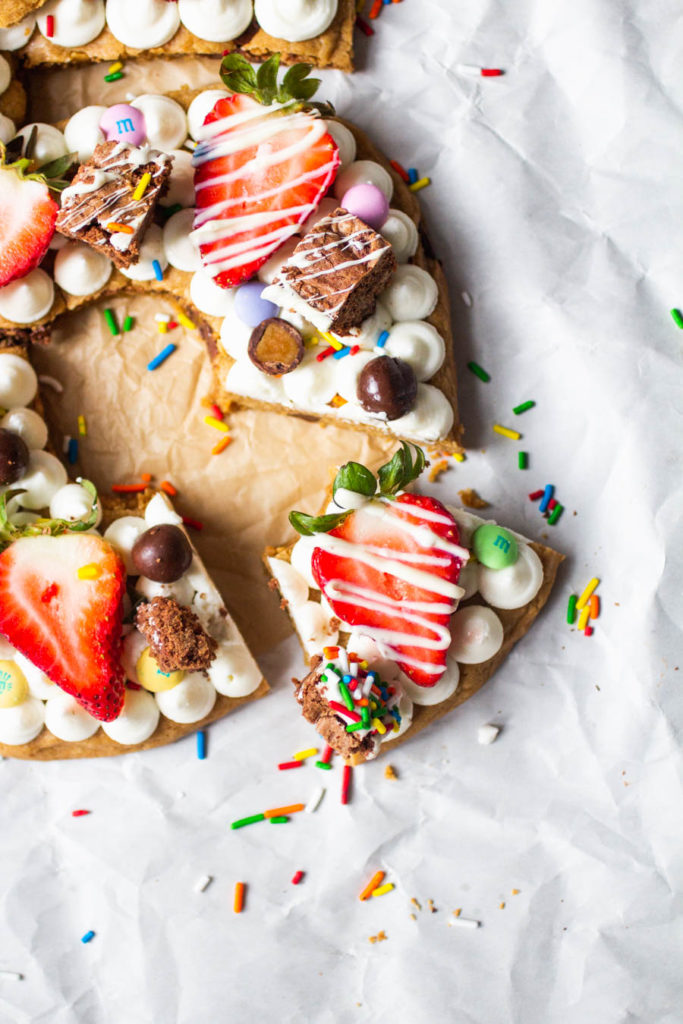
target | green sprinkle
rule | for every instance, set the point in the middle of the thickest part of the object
(355, 726)
(114, 77)
(168, 211)
(555, 514)
(677, 317)
(365, 717)
(324, 765)
(323, 678)
(346, 696)
(111, 322)
(522, 460)
(248, 821)
(128, 324)
(279, 819)
(518, 409)
(571, 609)
(479, 372)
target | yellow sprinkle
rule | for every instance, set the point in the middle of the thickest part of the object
(383, 889)
(142, 186)
(89, 572)
(379, 726)
(331, 340)
(363, 664)
(501, 906)
(162, 327)
(221, 446)
(583, 619)
(459, 456)
(82, 429)
(586, 596)
(514, 435)
(421, 183)
(113, 68)
(303, 754)
(211, 421)
(186, 322)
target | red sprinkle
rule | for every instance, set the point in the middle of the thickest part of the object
(346, 784)
(217, 412)
(400, 170)
(354, 349)
(376, 9)
(327, 754)
(551, 504)
(171, 325)
(341, 709)
(146, 477)
(79, 814)
(296, 878)
(132, 686)
(364, 27)
(194, 524)
(491, 72)
(50, 26)
(128, 488)
(286, 765)
(325, 353)
(588, 631)
(535, 495)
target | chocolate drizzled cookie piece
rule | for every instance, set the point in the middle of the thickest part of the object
(337, 270)
(102, 208)
(316, 710)
(175, 635)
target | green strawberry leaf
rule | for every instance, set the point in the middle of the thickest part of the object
(266, 79)
(42, 527)
(355, 477)
(395, 475)
(308, 526)
(296, 87)
(57, 168)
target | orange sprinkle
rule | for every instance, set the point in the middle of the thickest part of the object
(128, 488)
(238, 902)
(167, 487)
(501, 906)
(221, 446)
(375, 9)
(515, 892)
(338, 401)
(374, 882)
(275, 812)
(146, 477)
(594, 606)
(124, 229)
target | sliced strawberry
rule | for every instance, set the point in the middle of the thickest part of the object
(69, 627)
(407, 614)
(27, 223)
(260, 172)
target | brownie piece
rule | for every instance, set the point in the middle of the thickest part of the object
(175, 635)
(101, 197)
(338, 270)
(316, 710)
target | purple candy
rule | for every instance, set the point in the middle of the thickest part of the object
(250, 307)
(123, 123)
(368, 203)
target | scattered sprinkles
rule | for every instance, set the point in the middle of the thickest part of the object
(89, 572)
(677, 318)
(82, 429)
(416, 186)
(128, 324)
(88, 937)
(523, 407)
(522, 460)
(201, 745)
(141, 187)
(587, 605)
(79, 813)
(303, 755)
(155, 363)
(285, 766)
(297, 877)
(203, 884)
(158, 272)
(513, 435)
(238, 900)
(383, 889)
(111, 322)
(11, 976)
(479, 371)
(373, 884)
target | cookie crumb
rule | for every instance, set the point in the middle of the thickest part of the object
(515, 892)
(416, 903)
(437, 470)
(458, 912)
(471, 499)
(390, 772)
(432, 908)
(501, 906)
(379, 937)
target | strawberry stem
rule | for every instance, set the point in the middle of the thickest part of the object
(44, 527)
(262, 85)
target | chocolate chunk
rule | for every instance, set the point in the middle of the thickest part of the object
(162, 553)
(176, 637)
(100, 200)
(338, 270)
(14, 456)
(387, 385)
(276, 347)
(332, 729)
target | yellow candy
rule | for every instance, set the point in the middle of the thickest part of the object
(150, 675)
(13, 685)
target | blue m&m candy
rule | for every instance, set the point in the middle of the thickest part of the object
(250, 307)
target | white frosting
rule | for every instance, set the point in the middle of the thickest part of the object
(5, 73)
(515, 585)
(201, 105)
(21, 723)
(295, 20)
(80, 270)
(49, 143)
(181, 590)
(325, 208)
(165, 120)
(477, 634)
(234, 336)
(430, 419)
(137, 721)
(181, 182)
(363, 172)
(233, 671)
(142, 24)
(27, 424)
(122, 534)
(217, 21)
(134, 644)
(82, 132)
(159, 510)
(419, 344)
(346, 142)
(367, 334)
(189, 701)
(405, 710)
(180, 250)
(44, 476)
(428, 696)
(67, 720)
(400, 230)
(7, 128)
(274, 264)
(16, 36)
(313, 626)
(76, 22)
(469, 579)
(208, 297)
(27, 299)
(73, 503)
(300, 559)
(18, 380)
(152, 248)
(412, 293)
(293, 586)
(38, 683)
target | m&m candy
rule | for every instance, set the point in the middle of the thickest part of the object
(152, 678)
(123, 123)
(13, 685)
(494, 546)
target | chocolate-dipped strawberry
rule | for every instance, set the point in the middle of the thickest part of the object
(162, 553)
(387, 385)
(14, 456)
(276, 347)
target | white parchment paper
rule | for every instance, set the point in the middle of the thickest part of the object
(556, 204)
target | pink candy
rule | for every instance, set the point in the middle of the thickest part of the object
(368, 203)
(123, 123)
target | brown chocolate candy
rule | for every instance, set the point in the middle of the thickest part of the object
(162, 553)
(276, 347)
(14, 456)
(387, 385)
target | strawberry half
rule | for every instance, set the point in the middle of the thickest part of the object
(391, 569)
(69, 627)
(27, 223)
(260, 171)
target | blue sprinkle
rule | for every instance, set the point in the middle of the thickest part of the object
(412, 175)
(547, 495)
(373, 676)
(346, 679)
(88, 937)
(340, 353)
(163, 355)
(201, 745)
(158, 272)
(383, 338)
(72, 450)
